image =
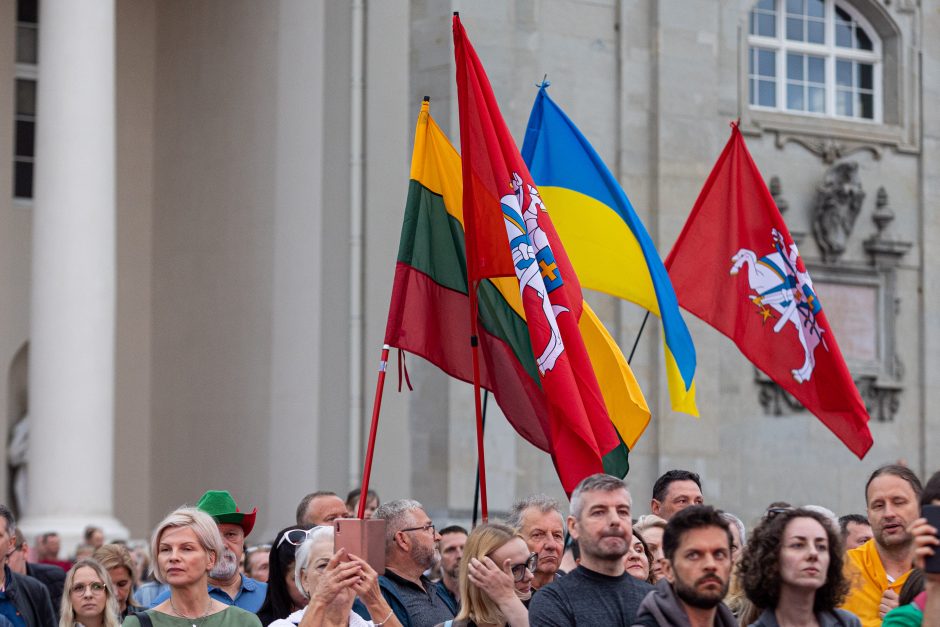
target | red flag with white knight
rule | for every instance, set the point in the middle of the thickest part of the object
(736, 267)
(509, 233)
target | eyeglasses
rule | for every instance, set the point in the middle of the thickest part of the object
(518, 570)
(427, 527)
(95, 587)
(295, 536)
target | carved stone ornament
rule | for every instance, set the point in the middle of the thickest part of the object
(881, 247)
(838, 203)
(882, 399)
(828, 149)
(775, 186)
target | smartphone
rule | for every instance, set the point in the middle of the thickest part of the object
(362, 538)
(932, 514)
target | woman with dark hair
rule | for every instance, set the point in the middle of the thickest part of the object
(792, 568)
(638, 560)
(283, 598)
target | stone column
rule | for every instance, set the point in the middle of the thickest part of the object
(71, 370)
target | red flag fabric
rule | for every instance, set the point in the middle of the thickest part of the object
(509, 233)
(736, 267)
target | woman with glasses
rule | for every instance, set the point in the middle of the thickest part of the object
(283, 597)
(186, 545)
(88, 597)
(332, 581)
(792, 569)
(496, 573)
(117, 560)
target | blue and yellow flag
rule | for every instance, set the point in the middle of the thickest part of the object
(606, 242)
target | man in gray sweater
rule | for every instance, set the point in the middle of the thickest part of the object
(599, 591)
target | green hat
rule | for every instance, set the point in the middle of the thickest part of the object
(221, 506)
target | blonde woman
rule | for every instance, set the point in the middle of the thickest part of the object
(186, 546)
(88, 598)
(496, 573)
(117, 560)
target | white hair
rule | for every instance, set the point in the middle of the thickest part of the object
(302, 555)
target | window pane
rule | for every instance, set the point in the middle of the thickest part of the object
(766, 62)
(25, 132)
(817, 99)
(866, 106)
(816, 32)
(767, 93)
(751, 91)
(862, 40)
(766, 25)
(842, 15)
(795, 7)
(766, 5)
(866, 76)
(794, 29)
(843, 73)
(816, 8)
(795, 67)
(25, 97)
(23, 179)
(795, 97)
(26, 45)
(843, 103)
(843, 34)
(27, 11)
(817, 70)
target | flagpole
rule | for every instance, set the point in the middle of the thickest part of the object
(475, 353)
(637, 340)
(476, 485)
(376, 407)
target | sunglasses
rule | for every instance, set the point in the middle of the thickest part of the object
(295, 537)
(518, 570)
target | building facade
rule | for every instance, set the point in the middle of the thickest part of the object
(200, 205)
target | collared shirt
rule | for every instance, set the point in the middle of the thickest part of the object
(869, 581)
(250, 595)
(424, 606)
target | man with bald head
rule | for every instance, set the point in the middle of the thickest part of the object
(320, 508)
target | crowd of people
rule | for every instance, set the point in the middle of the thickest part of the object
(685, 564)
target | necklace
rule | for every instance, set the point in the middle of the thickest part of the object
(195, 619)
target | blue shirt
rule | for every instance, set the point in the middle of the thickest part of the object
(8, 611)
(250, 596)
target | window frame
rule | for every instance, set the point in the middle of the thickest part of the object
(830, 53)
(29, 72)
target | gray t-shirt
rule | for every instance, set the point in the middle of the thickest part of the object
(585, 598)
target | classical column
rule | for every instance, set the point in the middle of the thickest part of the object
(71, 366)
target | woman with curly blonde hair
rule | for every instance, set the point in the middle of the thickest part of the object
(88, 597)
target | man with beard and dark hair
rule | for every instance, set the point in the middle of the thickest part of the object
(226, 584)
(410, 538)
(697, 545)
(879, 568)
(599, 591)
(453, 539)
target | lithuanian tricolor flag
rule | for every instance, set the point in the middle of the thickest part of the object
(429, 313)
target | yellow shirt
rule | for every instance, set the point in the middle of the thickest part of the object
(869, 581)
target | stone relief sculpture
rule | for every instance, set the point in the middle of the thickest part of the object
(838, 203)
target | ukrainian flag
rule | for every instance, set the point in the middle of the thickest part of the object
(605, 240)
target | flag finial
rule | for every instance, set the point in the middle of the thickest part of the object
(545, 82)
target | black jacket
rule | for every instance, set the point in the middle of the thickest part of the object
(53, 578)
(31, 599)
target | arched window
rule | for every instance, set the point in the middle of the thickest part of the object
(814, 57)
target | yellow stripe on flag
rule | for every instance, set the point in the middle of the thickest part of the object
(623, 397)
